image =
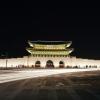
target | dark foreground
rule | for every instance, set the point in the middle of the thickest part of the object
(73, 86)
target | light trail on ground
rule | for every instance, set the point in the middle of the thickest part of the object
(32, 73)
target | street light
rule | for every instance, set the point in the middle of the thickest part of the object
(6, 56)
(27, 61)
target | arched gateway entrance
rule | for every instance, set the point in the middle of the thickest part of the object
(37, 64)
(61, 64)
(49, 64)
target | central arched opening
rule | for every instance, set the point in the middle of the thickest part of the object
(61, 64)
(37, 64)
(49, 64)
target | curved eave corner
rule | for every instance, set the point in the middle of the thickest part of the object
(29, 51)
(68, 44)
(31, 44)
(71, 50)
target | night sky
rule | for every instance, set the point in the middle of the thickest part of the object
(80, 25)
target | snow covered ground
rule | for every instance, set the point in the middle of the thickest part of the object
(30, 73)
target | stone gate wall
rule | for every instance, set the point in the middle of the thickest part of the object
(30, 61)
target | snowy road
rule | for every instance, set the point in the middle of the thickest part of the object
(32, 73)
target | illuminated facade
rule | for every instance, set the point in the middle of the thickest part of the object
(50, 53)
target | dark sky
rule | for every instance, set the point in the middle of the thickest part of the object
(80, 25)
